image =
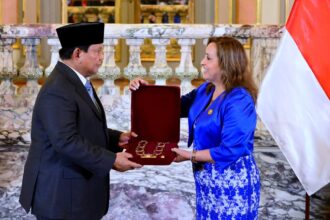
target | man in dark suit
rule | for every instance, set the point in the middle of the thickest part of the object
(66, 174)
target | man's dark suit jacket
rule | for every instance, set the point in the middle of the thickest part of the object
(66, 174)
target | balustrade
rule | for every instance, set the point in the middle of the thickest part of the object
(160, 70)
(264, 41)
(6, 58)
(55, 47)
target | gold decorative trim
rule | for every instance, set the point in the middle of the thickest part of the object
(137, 11)
(64, 11)
(231, 12)
(258, 11)
(191, 11)
(216, 12)
(38, 18)
(24, 9)
(17, 44)
(117, 11)
(247, 44)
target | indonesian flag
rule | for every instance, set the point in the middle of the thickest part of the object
(294, 100)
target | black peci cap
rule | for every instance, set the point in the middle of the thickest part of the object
(81, 34)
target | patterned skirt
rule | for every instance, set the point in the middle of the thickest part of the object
(230, 193)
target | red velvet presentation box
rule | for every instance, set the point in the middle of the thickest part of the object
(155, 117)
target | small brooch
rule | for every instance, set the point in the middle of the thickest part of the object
(209, 112)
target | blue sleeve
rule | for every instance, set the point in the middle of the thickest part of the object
(239, 122)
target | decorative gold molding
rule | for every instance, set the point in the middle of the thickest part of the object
(137, 11)
(192, 11)
(248, 44)
(38, 18)
(117, 11)
(258, 21)
(64, 11)
(231, 12)
(23, 9)
(17, 44)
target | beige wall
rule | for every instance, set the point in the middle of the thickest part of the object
(289, 4)
(223, 12)
(50, 11)
(204, 14)
(31, 11)
(204, 11)
(270, 16)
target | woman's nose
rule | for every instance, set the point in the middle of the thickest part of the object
(202, 61)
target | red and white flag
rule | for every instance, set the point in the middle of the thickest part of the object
(294, 97)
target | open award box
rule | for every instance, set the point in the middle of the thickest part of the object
(155, 118)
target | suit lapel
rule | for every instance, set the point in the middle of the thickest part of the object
(68, 73)
(84, 94)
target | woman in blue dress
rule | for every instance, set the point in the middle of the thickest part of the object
(222, 120)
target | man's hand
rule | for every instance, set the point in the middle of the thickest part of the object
(135, 83)
(122, 162)
(125, 137)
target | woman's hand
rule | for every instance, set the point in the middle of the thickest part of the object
(181, 155)
(135, 83)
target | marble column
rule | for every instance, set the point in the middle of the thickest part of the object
(55, 47)
(109, 71)
(160, 71)
(186, 70)
(7, 72)
(134, 67)
(7, 67)
(31, 68)
(186, 67)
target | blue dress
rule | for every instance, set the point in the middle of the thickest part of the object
(229, 188)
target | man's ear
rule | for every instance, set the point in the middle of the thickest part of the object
(76, 53)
